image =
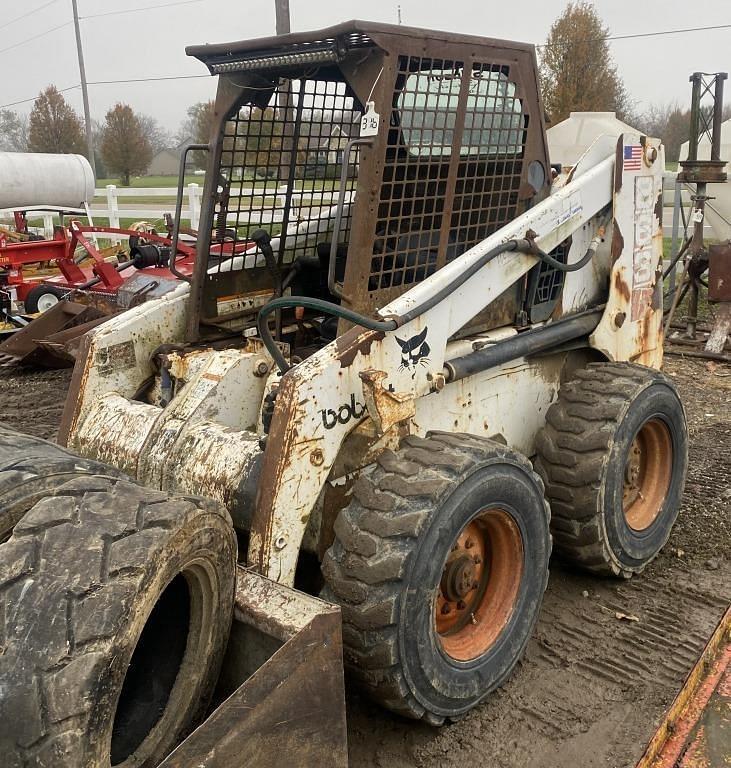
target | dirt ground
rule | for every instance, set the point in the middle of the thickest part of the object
(593, 685)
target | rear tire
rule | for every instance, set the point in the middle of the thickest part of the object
(42, 297)
(30, 468)
(402, 553)
(613, 456)
(117, 603)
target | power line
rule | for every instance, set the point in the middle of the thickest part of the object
(643, 34)
(35, 37)
(112, 82)
(33, 98)
(25, 15)
(135, 10)
(146, 79)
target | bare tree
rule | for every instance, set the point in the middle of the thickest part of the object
(53, 125)
(125, 148)
(671, 124)
(13, 131)
(196, 128)
(576, 68)
(159, 137)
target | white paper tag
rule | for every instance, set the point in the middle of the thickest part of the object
(370, 121)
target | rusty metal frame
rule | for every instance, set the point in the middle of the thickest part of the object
(366, 56)
(291, 710)
(677, 731)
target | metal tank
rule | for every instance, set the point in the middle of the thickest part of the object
(34, 179)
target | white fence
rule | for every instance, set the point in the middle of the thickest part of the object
(304, 204)
(271, 211)
(192, 195)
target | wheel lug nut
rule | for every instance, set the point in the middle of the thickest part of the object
(446, 608)
(469, 544)
(461, 605)
(475, 585)
(477, 560)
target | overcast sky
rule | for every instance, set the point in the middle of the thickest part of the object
(151, 43)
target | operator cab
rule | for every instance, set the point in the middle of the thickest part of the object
(350, 164)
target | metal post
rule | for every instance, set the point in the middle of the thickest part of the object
(84, 90)
(675, 242)
(695, 114)
(717, 117)
(283, 22)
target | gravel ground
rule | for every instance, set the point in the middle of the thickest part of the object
(592, 686)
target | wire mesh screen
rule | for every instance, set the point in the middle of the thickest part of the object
(279, 170)
(453, 127)
(546, 283)
(491, 153)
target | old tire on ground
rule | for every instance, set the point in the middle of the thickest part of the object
(30, 467)
(42, 297)
(117, 602)
(404, 549)
(613, 456)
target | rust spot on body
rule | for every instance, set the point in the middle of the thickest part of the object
(354, 341)
(658, 209)
(617, 242)
(621, 287)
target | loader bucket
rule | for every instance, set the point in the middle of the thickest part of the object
(43, 341)
(281, 685)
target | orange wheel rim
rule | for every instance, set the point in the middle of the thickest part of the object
(647, 474)
(479, 586)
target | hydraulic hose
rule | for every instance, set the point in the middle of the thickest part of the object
(319, 305)
(367, 322)
(584, 260)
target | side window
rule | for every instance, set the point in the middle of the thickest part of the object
(428, 112)
(494, 118)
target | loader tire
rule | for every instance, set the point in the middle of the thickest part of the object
(116, 603)
(451, 520)
(30, 467)
(613, 456)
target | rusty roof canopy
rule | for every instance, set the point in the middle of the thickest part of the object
(332, 40)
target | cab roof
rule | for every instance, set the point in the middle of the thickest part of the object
(339, 39)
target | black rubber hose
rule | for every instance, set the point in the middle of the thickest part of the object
(463, 277)
(319, 305)
(367, 322)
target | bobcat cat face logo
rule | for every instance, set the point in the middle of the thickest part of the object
(414, 352)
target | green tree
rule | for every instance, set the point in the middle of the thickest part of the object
(125, 148)
(576, 70)
(53, 125)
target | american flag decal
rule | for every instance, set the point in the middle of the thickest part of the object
(633, 157)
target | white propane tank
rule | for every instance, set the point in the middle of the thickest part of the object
(34, 179)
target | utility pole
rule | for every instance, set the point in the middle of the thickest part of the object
(282, 10)
(84, 90)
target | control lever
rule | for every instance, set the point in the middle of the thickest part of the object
(264, 242)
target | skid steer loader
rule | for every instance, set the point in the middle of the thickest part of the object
(434, 357)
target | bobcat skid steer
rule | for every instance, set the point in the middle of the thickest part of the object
(409, 360)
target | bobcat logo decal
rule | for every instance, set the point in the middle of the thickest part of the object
(414, 352)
